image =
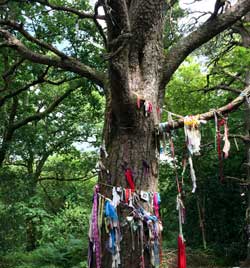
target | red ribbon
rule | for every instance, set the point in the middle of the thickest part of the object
(142, 263)
(127, 195)
(129, 177)
(181, 253)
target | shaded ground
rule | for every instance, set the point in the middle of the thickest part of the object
(195, 259)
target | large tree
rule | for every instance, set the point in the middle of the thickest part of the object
(139, 68)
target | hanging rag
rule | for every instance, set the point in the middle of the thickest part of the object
(181, 252)
(192, 173)
(184, 167)
(156, 253)
(226, 147)
(116, 260)
(148, 108)
(91, 245)
(129, 177)
(222, 123)
(127, 195)
(156, 202)
(181, 209)
(116, 197)
(181, 244)
(101, 202)
(94, 237)
(192, 134)
(141, 235)
(110, 211)
(174, 163)
(113, 229)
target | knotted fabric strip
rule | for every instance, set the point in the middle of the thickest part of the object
(129, 177)
(95, 235)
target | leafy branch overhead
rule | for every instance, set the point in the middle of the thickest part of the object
(64, 62)
(171, 61)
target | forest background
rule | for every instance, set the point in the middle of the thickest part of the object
(48, 162)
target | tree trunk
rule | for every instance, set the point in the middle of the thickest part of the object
(130, 133)
(247, 146)
(30, 234)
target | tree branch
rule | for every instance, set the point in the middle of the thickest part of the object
(12, 69)
(235, 179)
(20, 29)
(80, 14)
(85, 178)
(200, 36)
(39, 80)
(51, 107)
(8, 131)
(98, 25)
(221, 87)
(210, 115)
(241, 137)
(68, 64)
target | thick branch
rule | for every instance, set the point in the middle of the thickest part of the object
(20, 29)
(203, 34)
(210, 115)
(68, 64)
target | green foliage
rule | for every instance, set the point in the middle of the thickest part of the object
(223, 204)
(59, 220)
(63, 253)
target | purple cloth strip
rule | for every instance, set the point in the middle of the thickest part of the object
(96, 238)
